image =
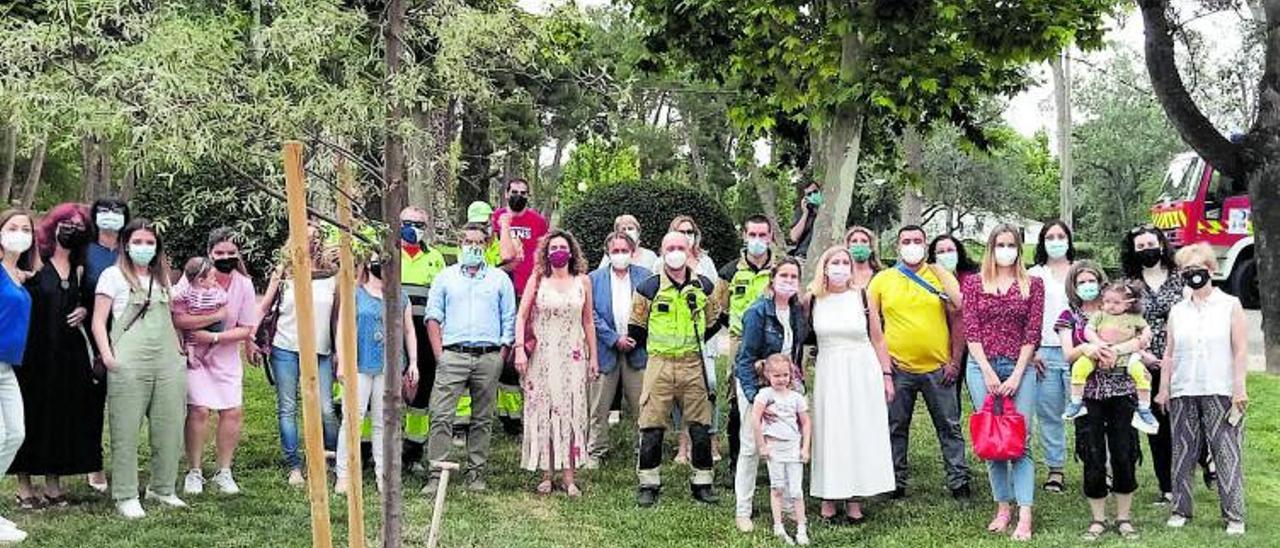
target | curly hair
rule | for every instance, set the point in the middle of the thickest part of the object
(47, 229)
(542, 261)
(1131, 262)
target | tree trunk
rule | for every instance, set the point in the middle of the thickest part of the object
(393, 199)
(443, 124)
(477, 148)
(10, 159)
(418, 160)
(841, 144)
(33, 174)
(1264, 191)
(95, 168)
(1062, 101)
(128, 182)
(912, 201)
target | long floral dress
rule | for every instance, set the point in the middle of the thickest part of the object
(555, 398)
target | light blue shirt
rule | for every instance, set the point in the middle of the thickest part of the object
(473, 309)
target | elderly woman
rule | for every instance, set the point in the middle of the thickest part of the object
(1203, 387)
(640, 256)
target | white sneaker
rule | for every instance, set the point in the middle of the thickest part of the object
(4, 522)
(1235, 528)
(802, 536)
(1176, 521)
(781, 533)
(225, 483)
(171, 501)
(194, 484)
(615, 417)
(295, 478)
(131, 509)
(11, 535)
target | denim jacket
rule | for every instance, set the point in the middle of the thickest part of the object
(762, 336)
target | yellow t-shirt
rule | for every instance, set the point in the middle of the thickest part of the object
(915, 320)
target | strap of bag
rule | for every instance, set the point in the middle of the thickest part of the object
(911, 275)
(142, 311)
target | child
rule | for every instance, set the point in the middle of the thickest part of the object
(203, 296)
(1120, 327)
(783, 438)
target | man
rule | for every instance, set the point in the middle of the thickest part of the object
(523, 227)
(669, 317)
(419, 265)
(919, 306)
(806, 213)
(471, 316)
(481, 212)
(741, 283)
(622, 360)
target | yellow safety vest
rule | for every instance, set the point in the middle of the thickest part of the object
(677, 318)
(745, 287)
(417, 273)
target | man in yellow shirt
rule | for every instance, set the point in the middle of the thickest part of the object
(919, 306)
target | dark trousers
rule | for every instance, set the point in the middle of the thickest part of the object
(944, 409)
(412, 450)
(1106, 430)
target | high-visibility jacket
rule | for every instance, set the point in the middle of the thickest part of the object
(417, 271)
(741, 284)
(671, 319)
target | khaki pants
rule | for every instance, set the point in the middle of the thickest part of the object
(458, 372)
(668, 381)
(601, 392)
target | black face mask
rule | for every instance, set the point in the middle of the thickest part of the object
(226, 265)
(72, 238)
(518, 202)
(1150, 257)
(1196, 278)
(375, 270)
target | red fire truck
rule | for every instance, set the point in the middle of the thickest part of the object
(1201, 204)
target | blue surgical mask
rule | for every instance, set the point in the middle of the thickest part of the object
(1056, 249)
(1087, 291)
(141, 254)
(757, 246)
(472, 255)
(411, 235)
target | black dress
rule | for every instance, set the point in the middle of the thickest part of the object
(63, 404)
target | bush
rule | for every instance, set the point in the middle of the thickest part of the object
(654, 205)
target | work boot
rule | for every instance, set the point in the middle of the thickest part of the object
(704, 493)
(647, 496)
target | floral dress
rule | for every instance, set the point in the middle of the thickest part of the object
(555, 385)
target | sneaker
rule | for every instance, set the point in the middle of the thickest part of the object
(1074, 411)
(296, 479)
(1176, 521)
(194, 484)
(131, 509)
(704, 494)
(171, 501)
(781, 532)
(802, 535)
(477, 485)
(744, 524)
(1163, 499)
(225, 483)
(4, 522)
(962, 493)
(12, 535)
(1235, 528)
(615, 417)
(1145, 422)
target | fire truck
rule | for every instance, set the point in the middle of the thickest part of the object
(1200, 204)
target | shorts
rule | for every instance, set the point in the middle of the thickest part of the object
(787, 477)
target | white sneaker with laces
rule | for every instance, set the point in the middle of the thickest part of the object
(11, 535)
(1176, 521)
(225, 482)
(194, 484)
(1235, 528)
(295, 478)
(171, 501)
(131, 509)
(802, 536)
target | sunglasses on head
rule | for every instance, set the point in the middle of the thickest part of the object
(1142, 228)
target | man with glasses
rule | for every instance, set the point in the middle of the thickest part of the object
(524, 226)
(419, 265)
(806, 213)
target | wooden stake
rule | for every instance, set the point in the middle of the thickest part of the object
(347, 361)
(313, 432)
(437, 515)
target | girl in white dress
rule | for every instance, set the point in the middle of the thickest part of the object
(851, 453)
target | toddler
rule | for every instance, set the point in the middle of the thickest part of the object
(203, 296)
(782, 428)
(1120, 327)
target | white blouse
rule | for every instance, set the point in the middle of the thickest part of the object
(1201, 337)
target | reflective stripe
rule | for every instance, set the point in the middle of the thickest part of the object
(417, 295)
(702, 477)
(649, 478)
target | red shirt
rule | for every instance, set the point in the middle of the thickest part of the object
(1003, 324)
(527, 227)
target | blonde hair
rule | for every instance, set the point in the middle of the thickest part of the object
(625, 218)
(988, 274)
(695, 247)
(818, 286)
(773, 360)
(1200, 254)
(874, 261)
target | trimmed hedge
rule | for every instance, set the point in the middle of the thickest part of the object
(654, 204)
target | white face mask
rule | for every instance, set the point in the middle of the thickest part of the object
(675, 259)
(109, 220)
(634, 234)
(620, 261)
(912, 254)
(15, 241)
(1006, 256)
(838, 273)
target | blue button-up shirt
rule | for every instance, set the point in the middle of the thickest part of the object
(473, 309)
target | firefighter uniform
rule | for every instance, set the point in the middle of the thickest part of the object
(417, 271)
(741, 284)
(671, 320)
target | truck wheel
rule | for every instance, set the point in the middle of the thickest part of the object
(1244, 284)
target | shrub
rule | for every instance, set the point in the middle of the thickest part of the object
(654, 204)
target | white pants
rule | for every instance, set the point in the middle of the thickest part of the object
(371, 392)
(13, 428)
(744, 482)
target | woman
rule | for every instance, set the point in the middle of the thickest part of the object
(146, 375)
(63, 401)
(949, 253)
(861, 243)
(641, 256)
(775, 324)
(1203, 385)
(1106, 444)
(371, 367)
(851, 390)
(107, 216)
(19, 261)
(702, 264)
(219, 385)
(622, 361)
(1055, 253)
(284, 348)
(555, 377)
(1002, 309)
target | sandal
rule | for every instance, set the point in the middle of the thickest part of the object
(544, 488)
(29, 503)
(1095, 531)
(1054, 483)
(59, 501)
(1126, 529)
(572, 490)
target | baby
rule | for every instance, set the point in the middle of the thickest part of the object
(1121, 328)
(203, 296)
(782, 428)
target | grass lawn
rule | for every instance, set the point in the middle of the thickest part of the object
(270, 513)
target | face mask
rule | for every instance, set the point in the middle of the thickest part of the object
(757, 247)
(375, 270)
(472, 255)
(517, 203)
(1196, 278)
(814, 198)
(1006, 256)
(675, 259)
(1056, 249)
(71, 238)
(634, 234)
(110, 220)
(559, 258)
(1150, 257)
(838, 273)
(620, 261)
(1087, 291)
(861, 252)
(142, 255)
(786, 288)
(411, 235)
(16, 242)
(226, 264)
(949, 260)
(912, 254)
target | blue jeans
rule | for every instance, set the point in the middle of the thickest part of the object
(1010, 480)
(1052, 393)
(285, 369)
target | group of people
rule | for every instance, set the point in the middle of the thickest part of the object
(521, 328)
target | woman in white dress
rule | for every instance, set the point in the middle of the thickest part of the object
(851, 453)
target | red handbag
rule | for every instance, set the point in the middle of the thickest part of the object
(999, 432)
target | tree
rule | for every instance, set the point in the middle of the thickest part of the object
(1255, 157)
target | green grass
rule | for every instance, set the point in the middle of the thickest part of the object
(270, 513)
